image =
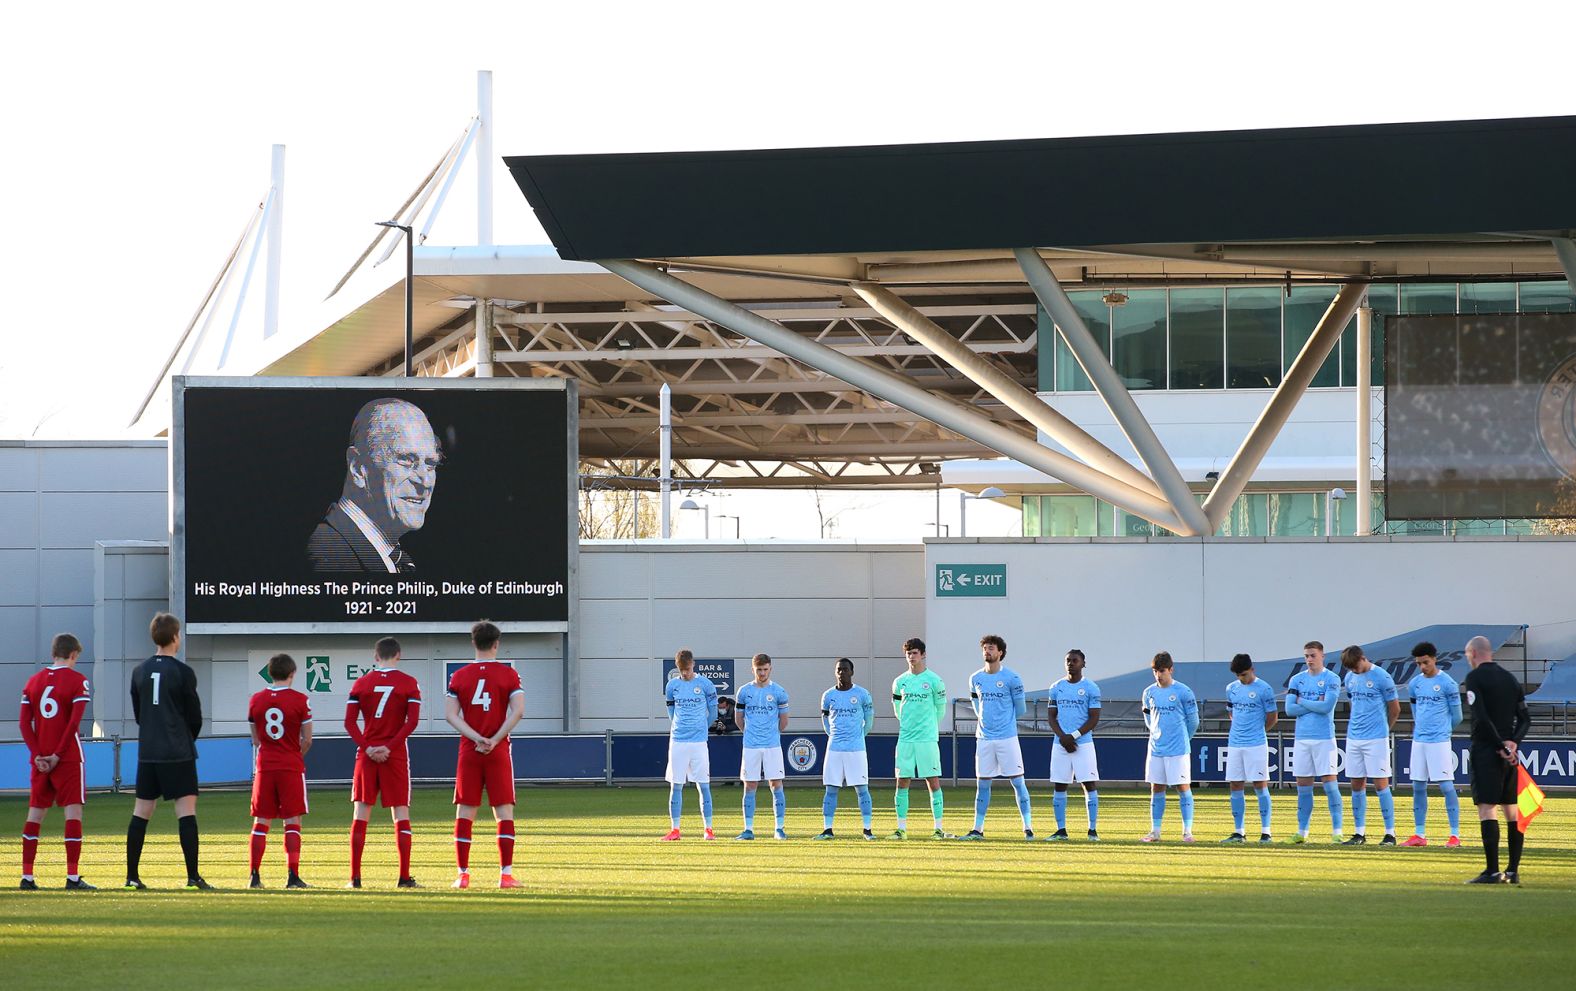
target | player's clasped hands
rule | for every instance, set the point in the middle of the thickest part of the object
(378, 754)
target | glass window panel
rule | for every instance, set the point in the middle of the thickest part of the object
(1295, 514)
(1070, 375)
(1304, 307)
(1384, 300)
(1135, 526)
(1253, 338)
(1106, 520)
(1546, 297)
(1420, 299)
(1070, 516)
(1031, 516)
(1138, 340)
(1488, 297)
(1198, 328)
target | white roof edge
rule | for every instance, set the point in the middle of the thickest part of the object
(1005, 473)
(498, 259)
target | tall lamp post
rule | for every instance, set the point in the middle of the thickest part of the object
(991, 492)
(410, 332)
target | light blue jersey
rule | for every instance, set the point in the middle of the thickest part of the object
(1072, 701)
(1371, 693)
(998, 702)
(1250, 705)
(847, 716)
(762, 705)
(1314, 703)
(1436, 707)
(692, 708)
(1171, 713)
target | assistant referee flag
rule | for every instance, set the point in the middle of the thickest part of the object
(1529, 798)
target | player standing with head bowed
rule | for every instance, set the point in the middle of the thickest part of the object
(1252, 703)
(996, 693)
(1171, 713)
(1375, 708)
(483, 704)
(918, 700)
(381, 714)
(762, 713)
(53, 702)
(1311, 698)
(281, 719)
(691, 699)
(1075, 712)
(847, 715)
(1436, 710)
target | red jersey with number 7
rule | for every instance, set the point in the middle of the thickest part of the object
(484, 689)
(277, 714)
(383, 697)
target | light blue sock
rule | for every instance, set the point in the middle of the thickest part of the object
(749, 810)
(829, 805)
(864, 803)
(1239, 808)
(1263, 795)
(704, 787)
(1157, 809)
(1020, 788)
(1387, 809)
(1332, 797)
(780, 805)
(1092, 804)
(1359, 810)
(1304, 807)
(675, 803)
(1452, 806)
(1420, 807)
(1059, 805)
(1185, 800)
(981, 802)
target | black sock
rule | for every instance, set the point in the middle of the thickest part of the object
(188, 829)
(1514, 837)
(1491, 844)
(135, 832)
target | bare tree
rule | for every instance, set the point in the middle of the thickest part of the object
(611, 507)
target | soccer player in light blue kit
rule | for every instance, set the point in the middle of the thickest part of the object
(1171, 713)
(1311, 698)
(1375, 708)
(1075, 712)
(1436, 709)
(847, 715)
(762, 713)
(1251, 700)
(692, 708)
(996, 695)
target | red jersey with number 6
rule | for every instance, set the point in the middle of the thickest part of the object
(277, 714)
(384, 697)
(47, 704)
(484, 689)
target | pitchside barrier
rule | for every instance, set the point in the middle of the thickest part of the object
(636, 757)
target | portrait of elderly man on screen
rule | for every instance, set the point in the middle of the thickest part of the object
(391, 469)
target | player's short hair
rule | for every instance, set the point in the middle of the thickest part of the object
(1425, 649)
(485, 635)
(843, 660)
(64, 645)
(164, 629)
(1241, 663)
(1001, 644)
(1313, 645)
(386, 649)
(684, 658)
(913, 643)
(1080, 654)
(760, 659)
(1350, 656)
(1162, 661)
(281, 666)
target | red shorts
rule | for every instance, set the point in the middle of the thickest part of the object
(279, 795)
(389, 780)
(493, 771)
(64, 785)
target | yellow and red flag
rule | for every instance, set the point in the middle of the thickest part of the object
(1529, 798)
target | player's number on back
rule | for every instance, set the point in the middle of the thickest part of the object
(48, 707)
(482, 697)
(385, 691)
(274, 724)
(155, 677)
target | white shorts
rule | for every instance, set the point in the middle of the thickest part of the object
(1368, 758)
(845, 767)
(688, 762)
(1079, 766)
(998, 758)
(1248, 763)
(1313, 758)
(761, 764)
(1167, 770)
(1433, 761)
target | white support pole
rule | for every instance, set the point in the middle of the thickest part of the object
(246, 281)
(1257, 443)
(1111, 388)
(896, 390)
(996, 382)
(275, 231)
(665, 456)
(484, 157)
(1565, 251)
(448, 182)
(484, 341)
(1364, 487)
(963, 514)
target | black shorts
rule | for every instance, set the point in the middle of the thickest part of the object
(1493, 777)
(167, 781)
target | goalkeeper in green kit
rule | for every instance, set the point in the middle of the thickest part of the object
(918, 698)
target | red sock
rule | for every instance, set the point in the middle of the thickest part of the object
(293, 848)
(462, 843)
(505, 842)
(402, 837)
(29, 847)
(358, 843)
(259, 844)
(73, 846)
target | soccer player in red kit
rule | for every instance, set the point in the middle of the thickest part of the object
(281, 719)
(484, 703)
(52, 705)
(384, 708)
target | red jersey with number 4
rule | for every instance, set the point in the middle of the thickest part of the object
(277, 714)
(483, 689)
(384, 697)
(47, 702)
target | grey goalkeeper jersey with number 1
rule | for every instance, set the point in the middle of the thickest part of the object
(168, 713)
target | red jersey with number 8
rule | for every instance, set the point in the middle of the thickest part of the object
(277, 714)
(483, 689)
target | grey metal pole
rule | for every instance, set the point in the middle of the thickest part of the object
(665, 455)
(484, 157)
(275, 234)
(484, 341)
(963, 514)
(1364, 487)
(410, 303)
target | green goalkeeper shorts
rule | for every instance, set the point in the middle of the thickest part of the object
(918, 759)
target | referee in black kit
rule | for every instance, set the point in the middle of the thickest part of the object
(169, 717)
(1499, 721)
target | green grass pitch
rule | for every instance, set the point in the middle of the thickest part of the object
(605, 905)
